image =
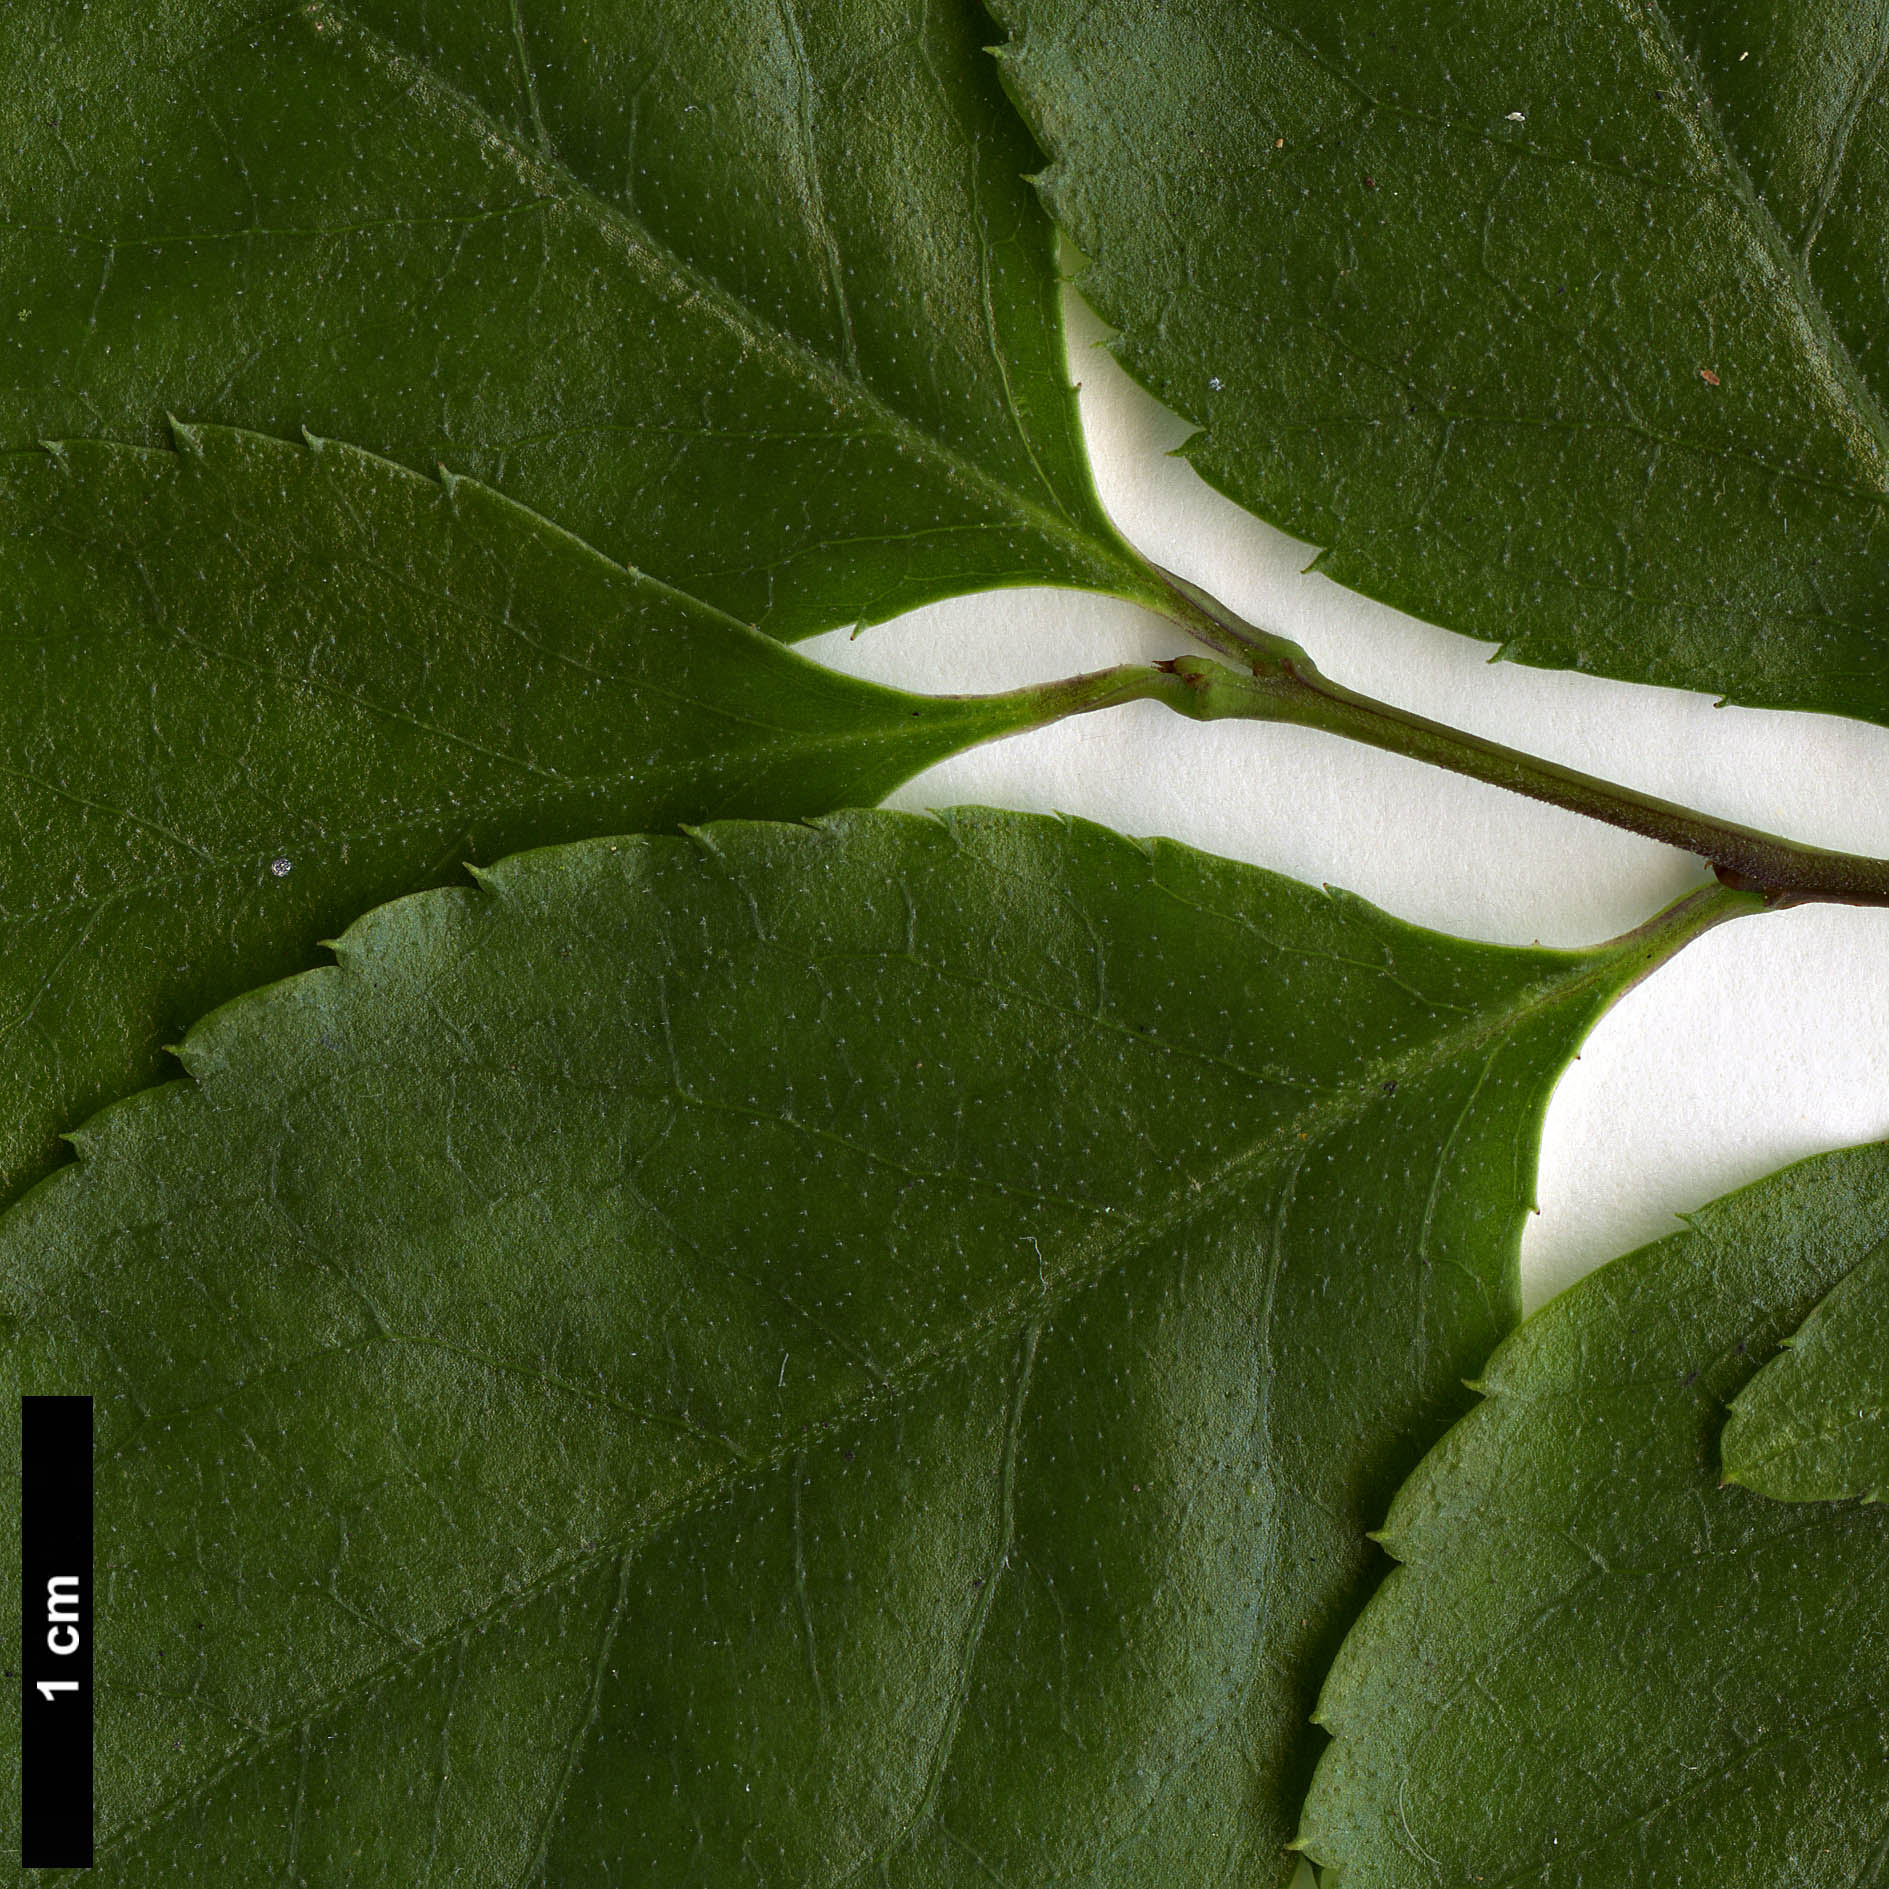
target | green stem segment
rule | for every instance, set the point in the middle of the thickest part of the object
(1278, 681)
(1290, 689)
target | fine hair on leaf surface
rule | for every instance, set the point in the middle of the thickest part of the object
(1813, 1425)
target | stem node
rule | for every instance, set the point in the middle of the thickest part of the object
(1283, 683)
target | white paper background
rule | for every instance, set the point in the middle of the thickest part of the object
(1765, 1041)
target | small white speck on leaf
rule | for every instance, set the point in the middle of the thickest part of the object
(1215, 383)
(282, 867)
(1518, 118)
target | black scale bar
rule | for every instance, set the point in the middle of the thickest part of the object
(56, 1632)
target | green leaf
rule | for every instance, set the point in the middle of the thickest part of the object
(849, 1353)
(753, 297)
(1813, 1425)
(1598, 1665)
(248, 690)
(1561, 324)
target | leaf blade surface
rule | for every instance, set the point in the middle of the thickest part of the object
(1596, 1664)
(755, 300)
(249, 689)
(837, 1347)
(1558, 326)
(1812, 1425)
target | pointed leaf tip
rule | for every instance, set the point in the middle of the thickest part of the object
(396, 671)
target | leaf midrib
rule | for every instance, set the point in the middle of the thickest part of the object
(1843, 372)
(1114, 569)
(1832, 178)
(207, 863)
(1331, 1115)
(1815, 1436)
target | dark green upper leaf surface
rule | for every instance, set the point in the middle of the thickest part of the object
(1563, 324)
(813, 1356)
(753, 296)
(248, 690)
(1599, 1666)
(1813, 1425)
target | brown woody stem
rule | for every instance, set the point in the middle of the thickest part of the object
(1277, 681)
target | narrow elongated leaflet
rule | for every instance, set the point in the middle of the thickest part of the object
(1560, 322)
(1598, 1665)
(753, 297)
(1813, 1425)
(858, 1353)
(249, 689)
